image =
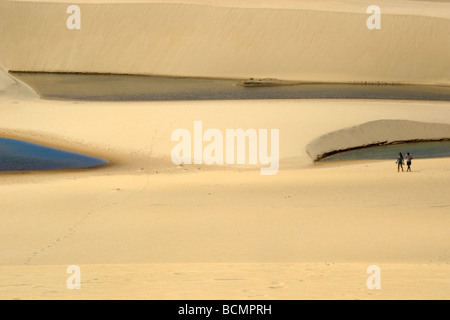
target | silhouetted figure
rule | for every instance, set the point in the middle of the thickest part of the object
(408, 161)
(400, 162)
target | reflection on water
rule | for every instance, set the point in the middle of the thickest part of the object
(17, 155)
(110, 87)
(435, 149)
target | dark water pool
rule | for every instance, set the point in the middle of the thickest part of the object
(434, 149)
(113, 87)
(17, 155)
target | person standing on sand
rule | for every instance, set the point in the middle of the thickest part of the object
(400, 162)
(408, 161)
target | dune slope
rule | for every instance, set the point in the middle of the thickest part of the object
(285, 40)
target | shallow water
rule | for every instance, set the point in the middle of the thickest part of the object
(111, 87)
(419, 150)
(17, 155)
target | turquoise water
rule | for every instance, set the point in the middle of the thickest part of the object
(111, 87)
(17, 155)
(419, 150)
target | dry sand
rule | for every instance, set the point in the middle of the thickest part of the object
(290, 40)
(145, 228)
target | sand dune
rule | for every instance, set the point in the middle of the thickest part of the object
(145, 228)
(375, 132)
(301, 234)
(143, 129)
(287, 40)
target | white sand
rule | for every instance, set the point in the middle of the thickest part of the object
(149, 214)
(147, 229)
(291, 40)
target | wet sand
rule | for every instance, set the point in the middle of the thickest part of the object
(114, 87)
